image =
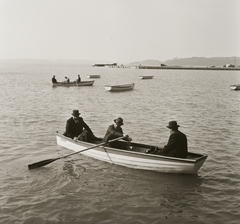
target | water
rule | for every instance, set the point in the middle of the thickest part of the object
(79, 189)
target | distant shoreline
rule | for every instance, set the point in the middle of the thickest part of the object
(225, 65)
(189, 68)
(175, 67)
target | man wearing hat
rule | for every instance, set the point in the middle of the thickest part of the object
(75, 125)
(177, 143)
(115, 131)
(78, 79)
(54, 80)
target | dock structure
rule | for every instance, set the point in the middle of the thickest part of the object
(104, 65)
(189, 67)
(227, 67)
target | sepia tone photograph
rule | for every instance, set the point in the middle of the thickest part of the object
(119, 111)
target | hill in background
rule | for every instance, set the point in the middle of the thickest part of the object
(194, 61)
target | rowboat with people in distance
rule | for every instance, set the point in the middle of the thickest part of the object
(76, 84)
(135, 158)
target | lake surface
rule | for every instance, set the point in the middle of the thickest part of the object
(80, 189)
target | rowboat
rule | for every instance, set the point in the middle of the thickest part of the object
(146, 76)
(135, 158)
(119, 88)
(235, 87)
(82, 83)
(93, 76)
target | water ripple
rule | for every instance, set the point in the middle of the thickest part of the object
(79, 189)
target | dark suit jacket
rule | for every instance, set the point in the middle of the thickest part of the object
(112, 133)
(74, 129)
(177, 145)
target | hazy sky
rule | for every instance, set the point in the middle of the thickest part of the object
(119, 30)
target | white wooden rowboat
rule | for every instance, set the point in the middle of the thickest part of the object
(119, 88)
(235, 87)
(136, 158)
(146, 76)
(93, 76)
(82, 83)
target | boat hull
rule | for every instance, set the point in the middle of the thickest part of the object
(235, 87)
(146, 76)
(83, 83)
(119, 88)
(135, 159)
(93, 76)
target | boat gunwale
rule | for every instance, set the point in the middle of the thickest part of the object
(146, 76)
(121, 86)
(196, 160)
(74, 83)
(235, 86)
(93, 76)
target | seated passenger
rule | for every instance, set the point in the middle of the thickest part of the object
(177, 145)
(74, 128)
(54, 80)
(67, 80)
(78, 79)
(115, 131)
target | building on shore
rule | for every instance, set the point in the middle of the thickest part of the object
(229, 66)
(105, 65)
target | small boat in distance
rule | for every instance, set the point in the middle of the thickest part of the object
(235, 87)
(119, 88)
(93, 76)
(78, 84)
(135, 158)
(146, 76)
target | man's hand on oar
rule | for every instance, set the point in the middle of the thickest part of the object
(47, 161)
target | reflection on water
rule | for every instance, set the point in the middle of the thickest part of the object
(81, 189)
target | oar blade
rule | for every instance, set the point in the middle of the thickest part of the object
(47, 161)
(41, 163)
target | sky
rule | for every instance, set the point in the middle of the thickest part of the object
(119, 30)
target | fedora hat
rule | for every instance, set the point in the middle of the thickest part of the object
(173, 124)
(119, 121)
(75, 113)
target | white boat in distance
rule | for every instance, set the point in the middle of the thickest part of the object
(146, 76)
(93, 76)
(78, 84)
(135, 158)
(235, 87)
(119, 88)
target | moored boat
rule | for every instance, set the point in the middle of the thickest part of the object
(82, 83)
(93, 76)
(235, 87)
(146, 76)
(119, 88)
(136, 157)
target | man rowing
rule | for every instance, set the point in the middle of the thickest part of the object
(77, 128)
(115, 131)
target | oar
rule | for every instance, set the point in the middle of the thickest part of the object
(47, 161)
